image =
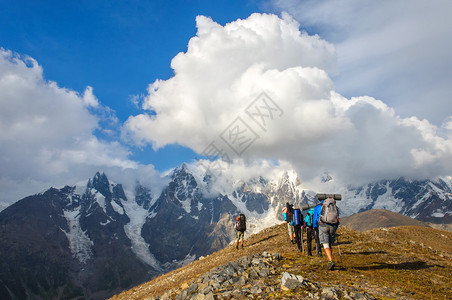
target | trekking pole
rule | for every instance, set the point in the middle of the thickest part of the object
(301, 242)
(339, 248)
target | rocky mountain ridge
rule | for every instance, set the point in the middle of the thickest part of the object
(425, 200)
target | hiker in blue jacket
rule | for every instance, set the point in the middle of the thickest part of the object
(311, 223)
(328, 220)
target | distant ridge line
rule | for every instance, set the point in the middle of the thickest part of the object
(379, 218)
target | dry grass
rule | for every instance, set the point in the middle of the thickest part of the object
(272, 240)
(397, 263)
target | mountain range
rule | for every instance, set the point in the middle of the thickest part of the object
(95, 238)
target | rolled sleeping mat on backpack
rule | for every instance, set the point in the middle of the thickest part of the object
(296, 217)
(336, 197)
(307, 206)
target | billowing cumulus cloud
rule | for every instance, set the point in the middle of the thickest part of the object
(260, 88)
(222, 69)
(46, 132)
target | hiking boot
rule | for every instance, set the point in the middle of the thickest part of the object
(242, 246)
(331, 265)
(319, 254)
(237, 247)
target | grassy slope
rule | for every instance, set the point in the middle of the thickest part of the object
(404, 262)
(377, 218)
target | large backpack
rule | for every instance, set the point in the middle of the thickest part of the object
(329, 213)
(310, 218)
(241, 223)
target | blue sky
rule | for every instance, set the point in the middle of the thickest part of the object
(117, 47)
(138, 87)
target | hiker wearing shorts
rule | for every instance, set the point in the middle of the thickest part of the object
(240, 227)
(288, 217)
(327, 233)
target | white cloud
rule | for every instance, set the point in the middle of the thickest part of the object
(395, 50)
(447, 127)
(145, 175)
(89, 98)
(314, 128)
(46, 132)
(216, 77)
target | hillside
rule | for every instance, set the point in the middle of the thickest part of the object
(378, 218)
(390, 263)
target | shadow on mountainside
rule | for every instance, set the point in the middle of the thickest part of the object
(263, 240)
(389, 263)
(342, 243)
(365, 253)
(415, 265)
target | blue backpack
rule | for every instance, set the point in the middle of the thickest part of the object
(297, 217)
(309, 220)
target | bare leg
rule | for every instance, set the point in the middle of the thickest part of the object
(329, 254)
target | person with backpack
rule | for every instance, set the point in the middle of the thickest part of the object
(240, 227)
(297, 224)
(288, 217)
(311, 223)
(328, 224)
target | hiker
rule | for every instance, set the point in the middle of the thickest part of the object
(240, 226)
(288, 217)
(311, 223)
(328, 223)
(297, 224)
